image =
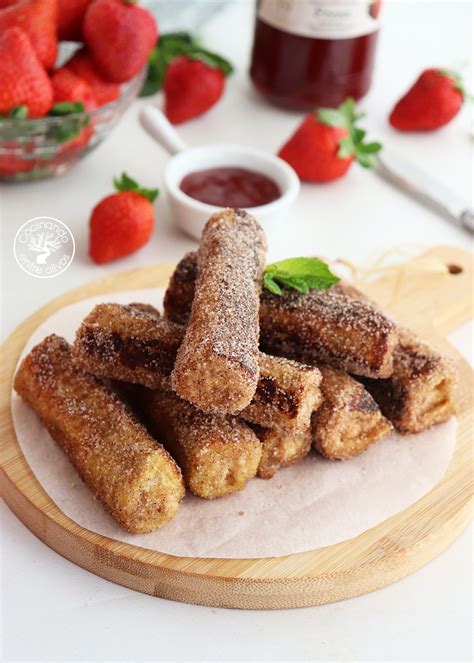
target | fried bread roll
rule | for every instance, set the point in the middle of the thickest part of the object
(321, 325)
(217, 364)
(146, 308)
(120, 343)
(125, 468)
(281, 448)
(421, 391)
(179, 294)
(123, 343)
(317, 326)
(346, 288)
(217, 453)
(287, 394)
(348, 420)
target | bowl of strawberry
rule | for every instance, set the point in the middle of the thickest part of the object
(56, 109)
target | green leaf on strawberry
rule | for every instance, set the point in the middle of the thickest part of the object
(210, 58)
(67, 108)
(347, 116)
(302, 274)
(71, 126)
(170, 46)
(346, 147)
(18, 112)
(126, 183)
(458, 81)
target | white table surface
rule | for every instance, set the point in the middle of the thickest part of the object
(55, 611)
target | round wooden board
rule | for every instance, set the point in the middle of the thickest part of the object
(372, 560)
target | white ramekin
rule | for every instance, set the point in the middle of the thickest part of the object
(190, 214)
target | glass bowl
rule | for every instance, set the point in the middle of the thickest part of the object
(48, 146)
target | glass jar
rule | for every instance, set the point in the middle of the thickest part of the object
(313, 53)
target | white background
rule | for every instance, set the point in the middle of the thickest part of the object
(54, 611)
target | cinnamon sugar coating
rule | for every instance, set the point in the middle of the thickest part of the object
(145, 308)
(348, 420)
(346, 288)
(421, 391)
(287, 394)
(321, 325)
(179, 294)
(333, 328)
(217, 364)
(281, 448)
(123, 343)
(125, 468)
(217, 453)
(119, 343)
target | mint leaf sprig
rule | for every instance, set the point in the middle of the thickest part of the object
(126, 183)
(302, 274)
(170, 46)
(347, 116)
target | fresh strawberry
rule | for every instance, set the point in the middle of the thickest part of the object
(103, 91)
(123, 222)
(11, 165)
(170, 46)
(12, 159)
(76, 127)
(120, 36)
(313, 151)
(191, 87)
(432, 101)
(39, 19)
(327, 142)
(71, 15)
(68, 86)
(374, 8)
(8, 3)
(77, 143)
(24, 81)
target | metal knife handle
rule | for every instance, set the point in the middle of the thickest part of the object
(426, 189)
(467, 219)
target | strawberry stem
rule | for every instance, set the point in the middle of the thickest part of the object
(170, 46)
(67, 108)
(18, 112)
(458, 81)
(126, 183)
(75, 119)
(347, 116)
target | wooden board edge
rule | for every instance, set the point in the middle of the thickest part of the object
(242, 593)
(169, 582)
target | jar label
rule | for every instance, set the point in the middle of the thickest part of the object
(322, 19)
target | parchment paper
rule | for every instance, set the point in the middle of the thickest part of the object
(315, 503)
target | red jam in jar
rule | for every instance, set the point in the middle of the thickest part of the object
(230, 187)
(313, 53)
